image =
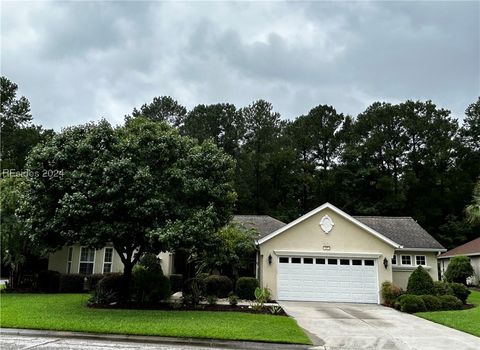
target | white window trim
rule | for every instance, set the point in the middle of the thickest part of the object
(80, 257)
(69, 261)
(396, 260)
(425, 260)
(401, 261)
(111, 263)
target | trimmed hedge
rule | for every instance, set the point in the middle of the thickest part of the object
(111, 283)
(48, 281)
(93, 280)
(420, 282)
(442, 288)
(176, 282)
(410, 303)
(245, 288)
(449, 302)
(460, 291)
(432, 303)
(219, 286)
(72, 283)
(149, 286)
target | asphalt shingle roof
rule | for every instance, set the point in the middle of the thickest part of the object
(402, 230)
(469, 248)
(264, 224)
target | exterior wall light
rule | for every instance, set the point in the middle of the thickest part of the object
(385, 262)
(269, 259)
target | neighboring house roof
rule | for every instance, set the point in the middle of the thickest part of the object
(339, 212)
(264, 224)
(402, 230)
(469, 248)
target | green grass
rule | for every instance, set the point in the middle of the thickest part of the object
(67, 312)
(463, 320)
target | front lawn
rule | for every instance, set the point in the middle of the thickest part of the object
(463, 320)
(67, 312)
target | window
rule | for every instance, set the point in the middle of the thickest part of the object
(296, 260)
(394, 260)
(87, 258)
(421, 260)
(369, 262)
(356, 262)
(283, 260)
(320, 261)
(344, 262)
(107, 260)
(332, 262)
(69, 259)
(406, 260)
(307, 260)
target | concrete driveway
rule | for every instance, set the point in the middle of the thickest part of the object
(367, 326)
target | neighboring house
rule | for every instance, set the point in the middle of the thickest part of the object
(325, 255)
(470, 249)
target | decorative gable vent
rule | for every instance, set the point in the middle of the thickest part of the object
(326, 224)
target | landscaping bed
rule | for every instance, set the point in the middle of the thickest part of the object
(68, 312)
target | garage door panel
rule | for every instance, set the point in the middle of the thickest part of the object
(328, 282)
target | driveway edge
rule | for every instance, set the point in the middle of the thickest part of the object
(211, 343)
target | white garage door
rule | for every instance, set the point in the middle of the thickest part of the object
(327, 279)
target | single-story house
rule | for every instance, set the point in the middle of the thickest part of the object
(325, 255)
(470, 249)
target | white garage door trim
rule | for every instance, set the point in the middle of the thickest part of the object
(328, 278)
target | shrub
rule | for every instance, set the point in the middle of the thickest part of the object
(432, 303)
(111, 284)
(442, 288)
(390, 293)
(192, 291)
(245, 288)
(420, 282)
(459, 269)
(212, 300)
(71, 283)
(220, 286)
(460, 291)
(450, 302)
(410, 303)
(232, 299)
(93, 280)
(151, 262)
(176, 282)
(48, 281)
(149, 285)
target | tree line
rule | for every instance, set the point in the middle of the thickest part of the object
(406, 159)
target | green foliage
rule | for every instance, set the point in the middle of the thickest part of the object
(151, 262)
(262, 295)
(93, 280)
(245, 287)
(460, 291)
(192, 291)
(71, 283)
(459, 269)
(161, 109)
(234, 249)
(176, 282)
(442, 288)
(420, 282)
(232, 299)
(212, 299)
(410, 303)
(149, 285)
(389, 293)
(450, 302)
(48, 281)
(142, 187)
(111, 286)
(432, 302)
(275, 309)
(219, 286)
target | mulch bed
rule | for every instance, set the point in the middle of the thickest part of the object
(179, 307)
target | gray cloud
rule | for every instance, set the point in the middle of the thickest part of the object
(77, 62)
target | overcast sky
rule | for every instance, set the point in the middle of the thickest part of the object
(81, 61)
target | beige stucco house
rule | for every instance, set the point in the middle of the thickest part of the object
(325, 255)
(470, 249)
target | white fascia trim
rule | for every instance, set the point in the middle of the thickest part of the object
(339, 212)
(451, 256)
(421, 249)
(327, 254)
